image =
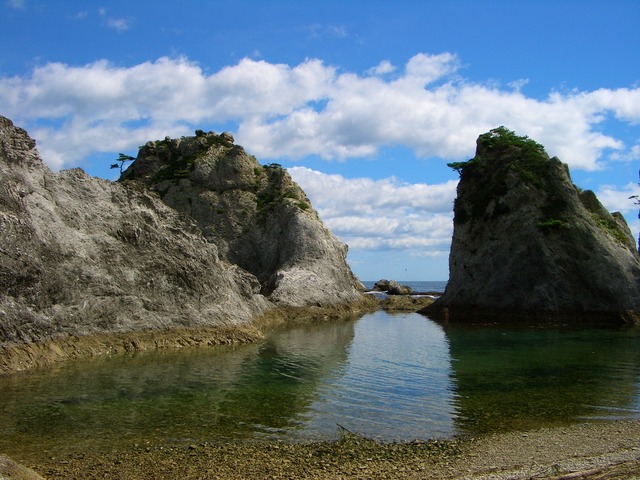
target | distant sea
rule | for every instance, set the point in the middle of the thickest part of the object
(417, 286)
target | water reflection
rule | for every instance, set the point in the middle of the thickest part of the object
(396, 384)
(391, 377)
(176, 396)
(517, 379)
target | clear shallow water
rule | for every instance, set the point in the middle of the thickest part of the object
(391, 377)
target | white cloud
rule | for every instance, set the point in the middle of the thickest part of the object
(617, 199)
(119, 24)
(631, 154)
(382, 214)
(17, 4)
(306, 109)
(326, 31)
(382, 68)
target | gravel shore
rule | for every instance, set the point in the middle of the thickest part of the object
(602, 450)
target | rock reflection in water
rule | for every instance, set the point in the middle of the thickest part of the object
(510, 379)
(395, 386)
(191, 395)
(279, 384)
(387, 376)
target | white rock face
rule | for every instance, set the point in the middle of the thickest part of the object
(231, 240)
(81, 255)
(257, 216)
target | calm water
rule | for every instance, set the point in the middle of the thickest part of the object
(392, 377)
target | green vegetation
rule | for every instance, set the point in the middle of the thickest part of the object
(610, 227)
(122, 159)
(500, 153)
(552, 225)
(274, 192)
(636, 199)
(179, 164)
(502, 137)
(522, 154)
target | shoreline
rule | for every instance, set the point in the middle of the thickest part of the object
(601, 449)
(21, 357)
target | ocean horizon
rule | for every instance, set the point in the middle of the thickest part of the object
(416, 285)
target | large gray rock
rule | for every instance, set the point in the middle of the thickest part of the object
(80, 255)
(257, 216)
(527, 243)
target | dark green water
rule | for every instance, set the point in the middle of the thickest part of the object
(391, 377)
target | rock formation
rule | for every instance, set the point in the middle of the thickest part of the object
(81, 255)
(528, 244)
(256, 215)
(392, 287)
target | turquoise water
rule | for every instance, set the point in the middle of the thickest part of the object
(387, 376)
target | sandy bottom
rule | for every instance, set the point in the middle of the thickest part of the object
(602, 450)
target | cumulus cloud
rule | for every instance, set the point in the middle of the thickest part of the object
(311, 108)
(382, 214)
(382, 68)
(617, 199)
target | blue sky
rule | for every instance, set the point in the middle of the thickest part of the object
(363, 101)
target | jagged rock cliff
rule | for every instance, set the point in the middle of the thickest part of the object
(256, 215)
(81, 255)
(528, 244)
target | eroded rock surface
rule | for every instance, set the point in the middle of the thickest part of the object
(197, 234)
(528, 243)
(80, 255)
(257, 216)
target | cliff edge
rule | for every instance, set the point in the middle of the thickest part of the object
(528, 244)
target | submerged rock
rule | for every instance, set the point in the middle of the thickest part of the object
(11, 470)
(528, 244)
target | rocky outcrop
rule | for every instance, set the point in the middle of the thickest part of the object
(528, 244)
(392, 287)
(81, 256)
(256, 215)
